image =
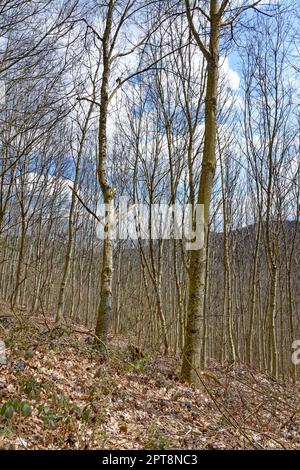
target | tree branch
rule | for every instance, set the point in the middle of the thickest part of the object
(92, 29)
(89, 100)
(239, 12)
(85, 206)
(222, 8)
(146, 69)
(203, 49)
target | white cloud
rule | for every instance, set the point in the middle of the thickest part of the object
(227, 73)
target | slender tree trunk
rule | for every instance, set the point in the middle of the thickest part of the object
(273, 359)
(16, 292)
(105, 304)
(197, 270)
(249, 351)
(69, 251)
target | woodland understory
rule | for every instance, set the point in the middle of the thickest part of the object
(74, 398)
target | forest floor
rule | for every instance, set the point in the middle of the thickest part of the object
(60, 393)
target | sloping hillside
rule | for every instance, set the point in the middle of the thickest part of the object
(57, 392)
